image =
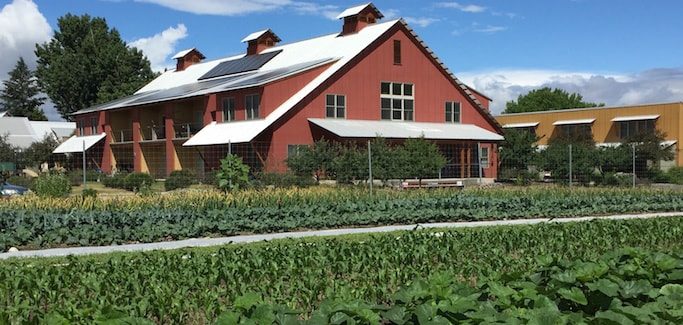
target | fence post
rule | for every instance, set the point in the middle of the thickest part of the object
(230, 154)
(570, 165)
(370, 166)
(84, 178)
(633, 151)
(481, 170)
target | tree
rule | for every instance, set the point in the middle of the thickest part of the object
(20, 96)
(315, 159)
(233, 173)
(350, 163)
(584, 162)
(40, 152)
(422, 158)
(648, 146)
(87, 63)
(546, 99)
(517, 152)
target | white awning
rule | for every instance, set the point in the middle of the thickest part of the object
(401, 130)
(76, 143)
(520, 125)
(229, 132)
(570, 122)
(664, 144)
(635, 118)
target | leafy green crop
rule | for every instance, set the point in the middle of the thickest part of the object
(35, 223)
(355, 275)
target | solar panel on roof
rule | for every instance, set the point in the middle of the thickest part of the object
(244, 64)
(264, 76)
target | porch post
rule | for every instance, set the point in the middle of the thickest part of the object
(469, 160)
(169, 134)
(462, 161)
(107, 155)
(137, 137)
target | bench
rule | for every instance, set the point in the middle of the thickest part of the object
(432, 183)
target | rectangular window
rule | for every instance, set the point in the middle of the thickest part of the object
(81, 127)
(228, 109)
(632, 128)
(93, 125)
(294, 149)
(397, 52)
(397, 101)
(484, 157)
(252, 106)
(453, 112)
(576, 130)
(335, 106)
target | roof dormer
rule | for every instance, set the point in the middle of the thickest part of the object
(187, 58)
(356, 18)
(259, 41)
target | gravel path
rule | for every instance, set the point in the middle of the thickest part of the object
(204, 242)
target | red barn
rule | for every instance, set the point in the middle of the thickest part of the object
(371, 79)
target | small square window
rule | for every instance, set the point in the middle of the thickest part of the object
(396, 89)
(386, 103)
(408, 89)
(386, 88)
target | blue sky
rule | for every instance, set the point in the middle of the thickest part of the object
(617, 52)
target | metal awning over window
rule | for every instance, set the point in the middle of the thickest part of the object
(635, 118)
(520, 125)
(574, 122)
(76, 143)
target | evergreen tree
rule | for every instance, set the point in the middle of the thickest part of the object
(20, 95)
(87, 63)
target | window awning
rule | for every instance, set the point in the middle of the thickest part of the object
(571, 122)
(520, 125)
(635, 118)
(229, 132)
(402, 130)
(76, 143)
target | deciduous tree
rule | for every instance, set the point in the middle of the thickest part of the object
(546, 99)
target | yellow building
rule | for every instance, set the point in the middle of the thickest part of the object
(609, 125)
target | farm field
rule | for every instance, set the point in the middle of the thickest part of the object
(32, 223)
(542, 273)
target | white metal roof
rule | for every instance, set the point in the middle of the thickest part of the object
(3, 113)
(520, 125)
(353, 10)
(76, 143)
(21, 132)
(254, 35)
(664, 144)
(229, 132)
(635, 118)
(401, 130)
(49, 128)
(182, 53)
(570, 122)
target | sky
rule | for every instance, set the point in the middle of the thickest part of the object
(617, 52)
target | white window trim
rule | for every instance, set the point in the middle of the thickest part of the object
(453, 110)
(234, 109)
(336, 97)
(485, 159)
(400, 97)
(247, 110)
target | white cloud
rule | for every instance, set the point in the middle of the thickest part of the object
(310, 8)
(21, 27)
(391, 14)
(489, 29)
(159, 47)
(649, 86)
(220, 7)
(465, 8)
(421, 21)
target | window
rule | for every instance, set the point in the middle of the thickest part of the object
(576, 131)
(252, 106)
(484, 157)
(632, 128)
(228, 109)
(295, 149)
(453, 112)
(335, 106)
(397, 52)
(93, 125)
(397, 101)
(81, 127)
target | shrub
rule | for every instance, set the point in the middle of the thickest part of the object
(135, 181)
(89, 192)
(233, 173)
(115, 181)
(675, 175)
(280, 180)
(52, 185)
(617, 179)
(180, 179)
